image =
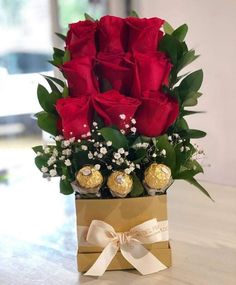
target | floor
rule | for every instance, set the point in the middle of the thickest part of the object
(38, 238)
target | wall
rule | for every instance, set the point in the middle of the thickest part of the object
(212, 33)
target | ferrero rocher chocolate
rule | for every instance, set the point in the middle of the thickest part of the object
(120, 184)
(88, 180)
(157, 177)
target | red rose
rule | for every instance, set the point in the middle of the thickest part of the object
(143, 34)
(80, 76)
(112, 34)
(75, 116)
(111, 104)
(117, 69)
(151, 72)
(80, 38)
(157, 112)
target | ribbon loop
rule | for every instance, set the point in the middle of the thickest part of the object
(130, 244)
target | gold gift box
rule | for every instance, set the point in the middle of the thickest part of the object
(122, 215)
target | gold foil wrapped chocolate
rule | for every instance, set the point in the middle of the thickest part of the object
(120, 184)
(88, 181)
(157, 178)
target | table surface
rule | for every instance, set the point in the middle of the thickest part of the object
(38, 235)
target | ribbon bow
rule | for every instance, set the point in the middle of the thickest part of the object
(130, 244)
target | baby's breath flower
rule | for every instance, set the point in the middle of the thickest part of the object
(58, 138)
(66, 152)
(127, 170)
(53, 172)
(55, 152)
(122, 116)
(137, 166)
(122, 131)
(117, 155)
(62, 157)
(154, 155)
(67, 162)
(66, 143)
(88, 134)
(84, 125)
(133, 121)
(51, 160)
(38, 153)
(126, 126)
(163, 152)
(133, 129)
(95, 124)
(109, 143)
(71, 140)
(103, 150)
(97, 166)
(121, 150)
(90, 155)
(63, 177)
(84, 147)
(126, 153)
(46, 150)
(44, 169)
(100, 155)
(109, 167)
(181, 149)
(95, 153)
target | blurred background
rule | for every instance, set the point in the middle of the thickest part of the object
(27, 36)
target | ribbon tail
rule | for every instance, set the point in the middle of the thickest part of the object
(141, 259)
(103, 261)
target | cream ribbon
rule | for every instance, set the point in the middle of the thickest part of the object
(130, 243)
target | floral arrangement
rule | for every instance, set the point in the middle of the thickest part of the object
(118, 119)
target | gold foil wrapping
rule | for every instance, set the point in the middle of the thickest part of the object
(120, 184)
(157, 178)
(88, 180)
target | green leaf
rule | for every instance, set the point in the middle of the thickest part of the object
(51, 84)
(117, 138)
(188, 112)
(43, 96)
(195, 134)
(58, 52)
(38, 148)
(140, 154)
(56, 80)
(41, 161)
(48, 122)
(180, 32)
(171, 46)
(61, 36)
(186, 59)
(190, 102)
(65, 92)
(66, 56)
(192, 82)
(170, 159)
(182, 124)
(194, 182)
(46, 100)
(88, 17)
(134, 14)
(65, 187)
(137, 188)
(168, 29)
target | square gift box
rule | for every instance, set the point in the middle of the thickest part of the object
(122, 215)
